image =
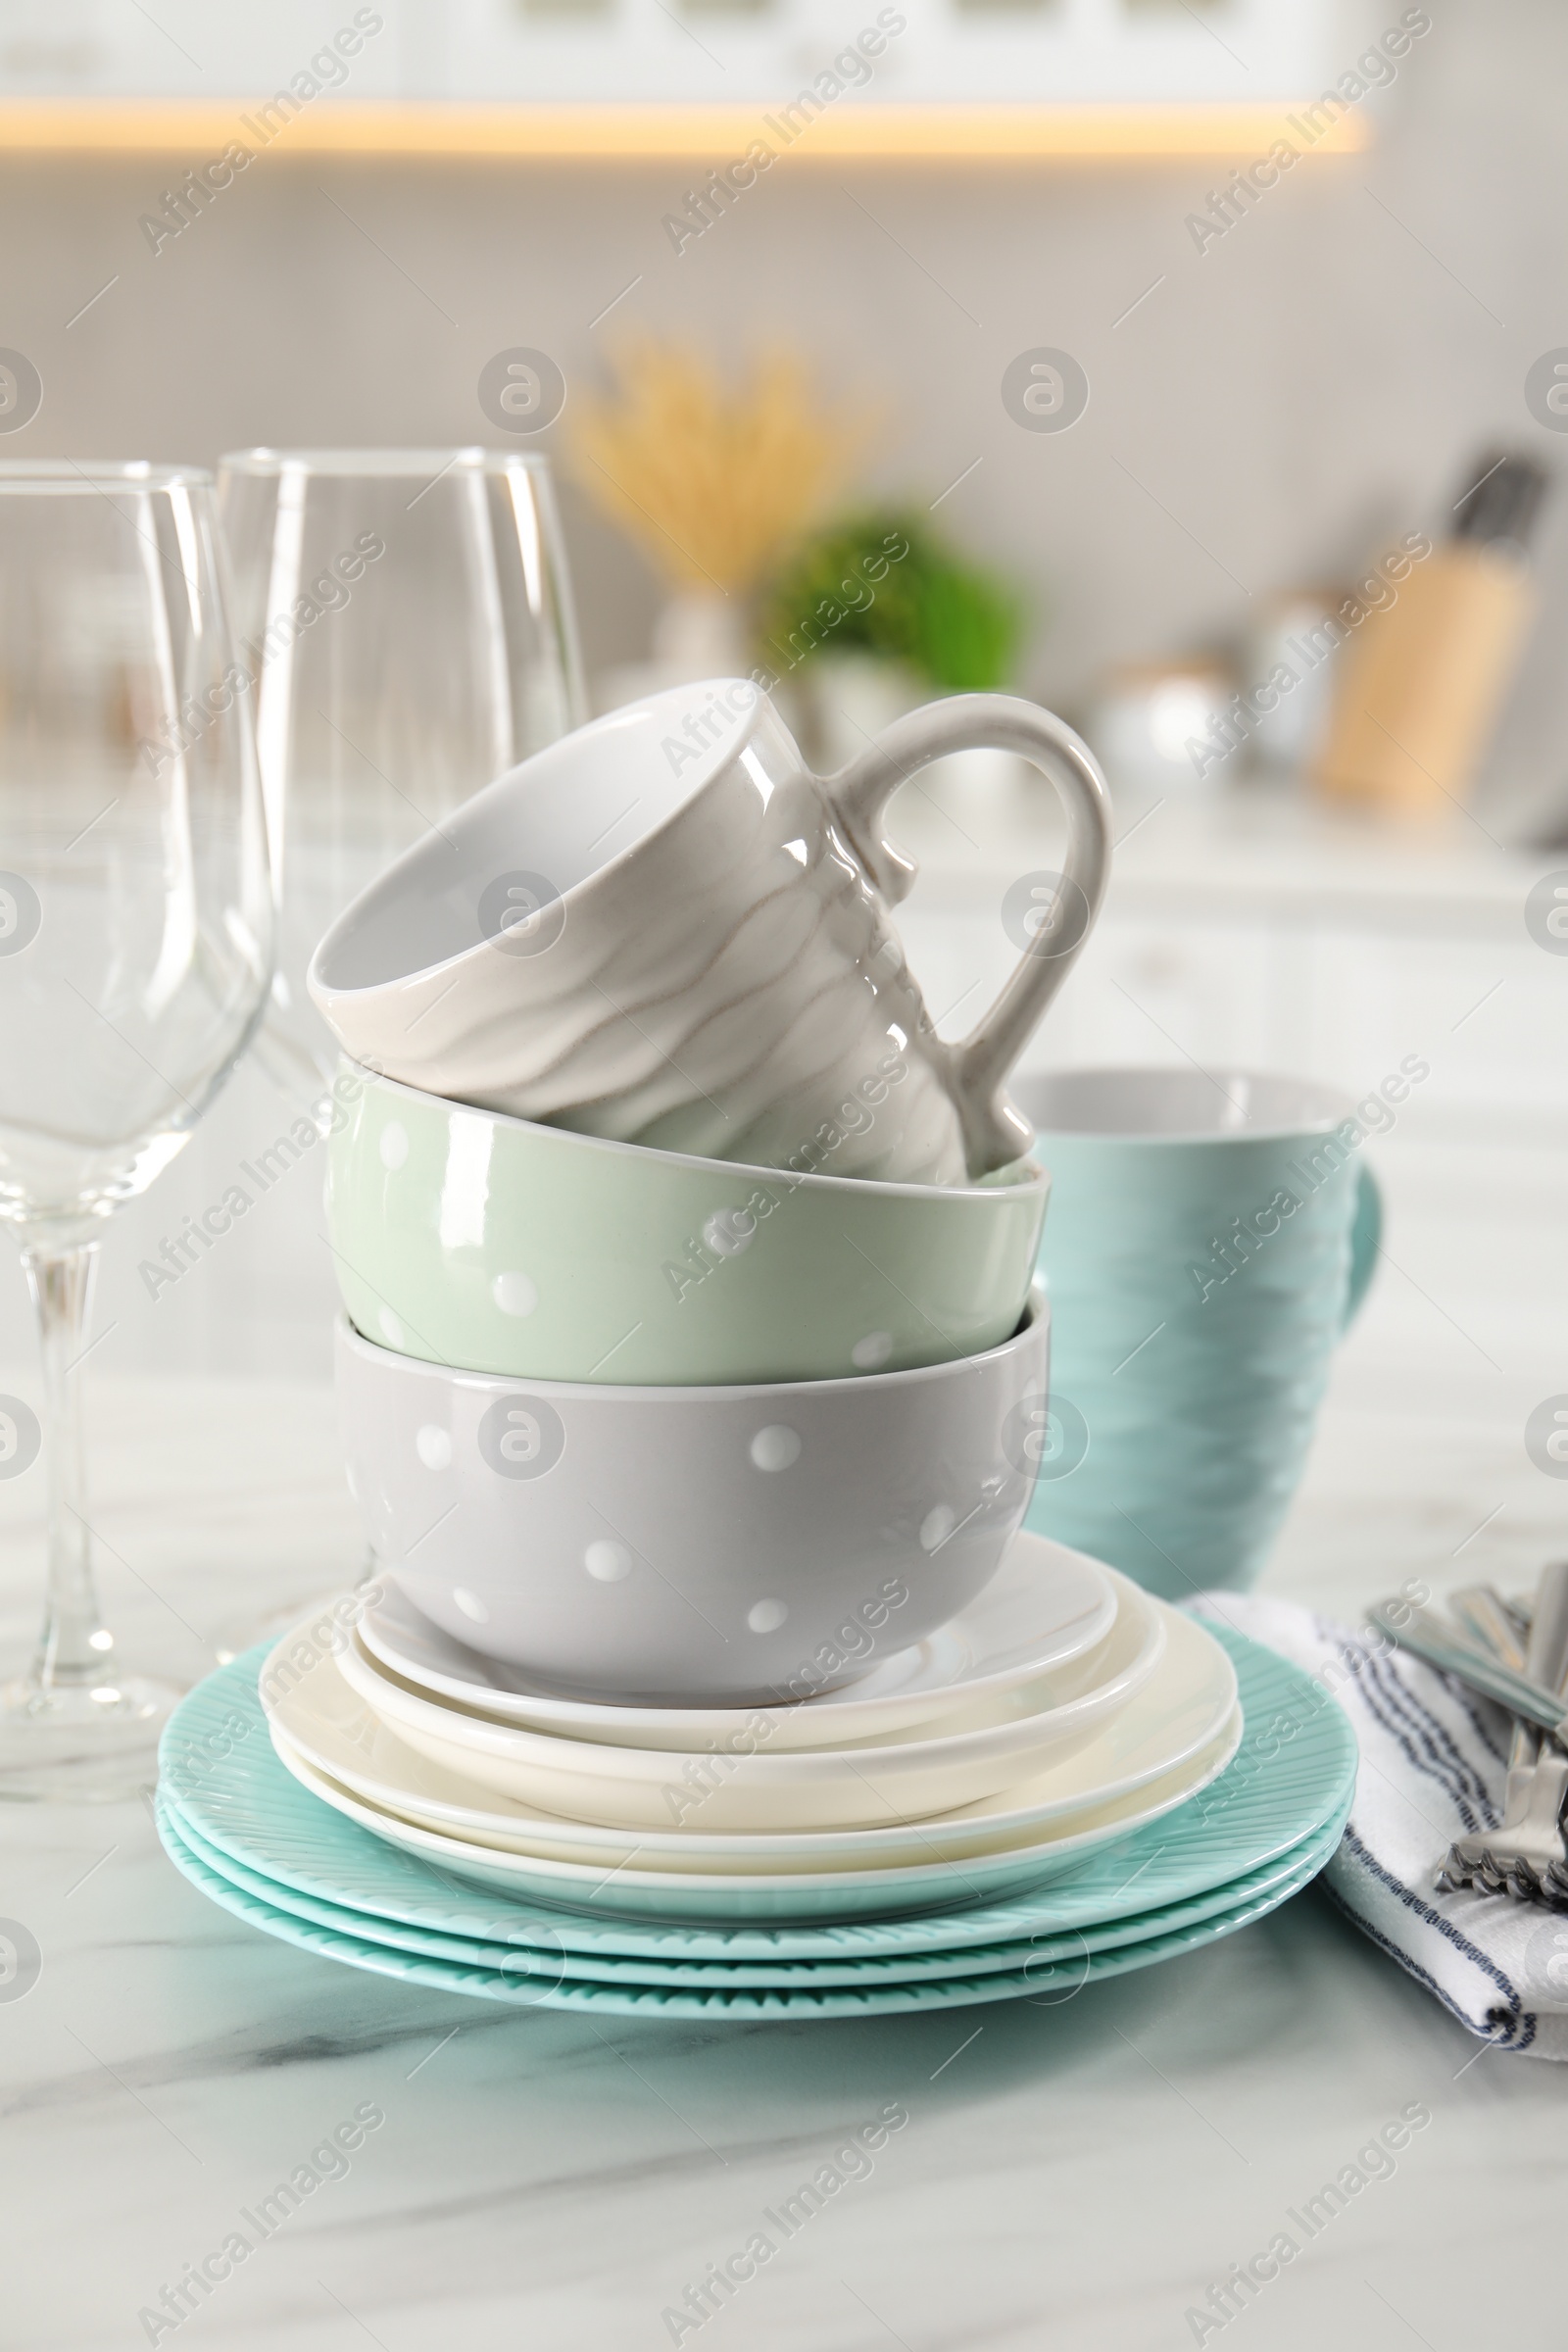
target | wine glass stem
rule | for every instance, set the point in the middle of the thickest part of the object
(74, 1647)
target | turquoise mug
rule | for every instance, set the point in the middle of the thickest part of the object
(1210, 1240)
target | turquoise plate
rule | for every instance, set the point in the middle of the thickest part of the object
(1293, 1774)
(1049, 1981)
(535, 1957)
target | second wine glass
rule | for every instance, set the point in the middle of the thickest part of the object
(407, 619)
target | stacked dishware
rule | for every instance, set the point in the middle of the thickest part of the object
(693, 1388)
(1146, 1832)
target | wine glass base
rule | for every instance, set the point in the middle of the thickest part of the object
(82, 1744)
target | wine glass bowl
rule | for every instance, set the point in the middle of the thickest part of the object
(137, 938)
(407, 621)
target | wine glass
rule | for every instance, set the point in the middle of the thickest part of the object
(408, 622)
(137, 933)
(408, 629)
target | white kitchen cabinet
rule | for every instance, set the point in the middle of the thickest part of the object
(1165, 991)
(1491, 1014)
(1140, 992)
(693, 52)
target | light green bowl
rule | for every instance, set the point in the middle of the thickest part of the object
(487, 1243)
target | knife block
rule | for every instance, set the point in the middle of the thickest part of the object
(1422, 681)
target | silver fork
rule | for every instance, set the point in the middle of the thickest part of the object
(1525, 1857)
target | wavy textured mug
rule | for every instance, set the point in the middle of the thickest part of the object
(1209, 1238)
(664, 929)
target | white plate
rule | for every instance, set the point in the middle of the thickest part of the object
(736, 1784)
(1044, 1606)
(1180, 1711)
(1035, 1858)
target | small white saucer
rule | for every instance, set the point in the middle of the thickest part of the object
(1044, 1607)
(969, 1751)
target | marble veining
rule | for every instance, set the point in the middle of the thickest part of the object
(1077, 2174)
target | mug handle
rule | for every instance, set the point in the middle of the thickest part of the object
(1366, 1233)
(995, 1131)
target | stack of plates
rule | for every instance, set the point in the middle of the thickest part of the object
(1057, 1787)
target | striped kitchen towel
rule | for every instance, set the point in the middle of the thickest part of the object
(1434, 1760)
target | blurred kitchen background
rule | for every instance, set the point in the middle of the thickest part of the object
(1276, 402)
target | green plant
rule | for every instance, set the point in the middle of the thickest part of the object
(885, 583)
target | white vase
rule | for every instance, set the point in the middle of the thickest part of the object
(851, 698)
(702, 636)
(705, 636)
(854, 695)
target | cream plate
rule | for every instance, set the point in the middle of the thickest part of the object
(1181, 1710)
(737, 1783)
(853, 1891)
(1044, 1607)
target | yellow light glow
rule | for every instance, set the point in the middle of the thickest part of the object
(374, 127)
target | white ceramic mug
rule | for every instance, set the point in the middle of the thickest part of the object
(665, 930)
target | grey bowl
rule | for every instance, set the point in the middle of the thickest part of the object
(695, 1545)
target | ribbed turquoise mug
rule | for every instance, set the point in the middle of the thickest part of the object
(1210, 1240)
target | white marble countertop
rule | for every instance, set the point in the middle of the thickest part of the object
(1076, 2175)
